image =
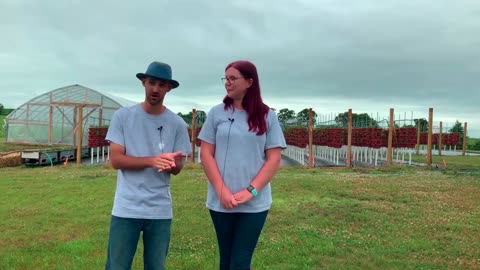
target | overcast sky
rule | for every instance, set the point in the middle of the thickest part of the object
(331, 55)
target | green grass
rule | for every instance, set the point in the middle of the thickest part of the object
(461, 163)
(387, 218)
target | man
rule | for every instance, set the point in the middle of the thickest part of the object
(148, 143)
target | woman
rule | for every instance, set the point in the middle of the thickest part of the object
(241, 152)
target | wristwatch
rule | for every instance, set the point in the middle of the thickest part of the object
(252, 190)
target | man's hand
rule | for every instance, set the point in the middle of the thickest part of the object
(166, 162)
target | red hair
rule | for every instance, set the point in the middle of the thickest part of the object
(252, 101)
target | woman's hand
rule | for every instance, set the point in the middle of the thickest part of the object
(227, 200)
(243, 196)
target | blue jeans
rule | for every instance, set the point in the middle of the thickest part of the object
(123, 241)
(237, 236)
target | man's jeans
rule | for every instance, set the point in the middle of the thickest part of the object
(123, 241)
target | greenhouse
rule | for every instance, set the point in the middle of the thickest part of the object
(54, 118)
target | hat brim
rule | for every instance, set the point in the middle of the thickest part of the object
(141, 76)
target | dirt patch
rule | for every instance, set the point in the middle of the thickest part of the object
(11, 160)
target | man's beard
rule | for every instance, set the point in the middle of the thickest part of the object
(153, 101)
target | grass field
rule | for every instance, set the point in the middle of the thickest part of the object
(395, 218)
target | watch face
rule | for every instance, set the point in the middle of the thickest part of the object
(252, 190)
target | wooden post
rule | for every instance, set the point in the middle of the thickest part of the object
(418, 137)
(440, 140)
(310, 139)
(349, 140)
(391, 126)
(464, 148)
(429, 146)
(50, 126)
(75, 125)
(194, 133)
(79, 135)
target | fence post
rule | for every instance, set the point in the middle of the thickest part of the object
(440, 140)
(310, 138)
(391, 126)
(464, 139)
(349, 140)
(429, 146)
(194, 131)
(418, 136)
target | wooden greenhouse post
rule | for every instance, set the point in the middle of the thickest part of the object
(50, 125)
(79, 135)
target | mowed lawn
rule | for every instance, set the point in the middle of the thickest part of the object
(387, 218)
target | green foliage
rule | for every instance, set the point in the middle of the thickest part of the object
(6, 111)
(473, 144)
(285, 114)
(200, 117)
(1, 108)
(423, 124)
(2, 128)
(362, 120)
(458, 128)
(303, 116)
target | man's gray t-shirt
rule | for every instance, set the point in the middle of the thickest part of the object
(240, 154)
(145, 193)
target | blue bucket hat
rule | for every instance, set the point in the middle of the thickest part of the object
(158, 70)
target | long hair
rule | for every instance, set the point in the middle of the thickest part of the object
(252, 101)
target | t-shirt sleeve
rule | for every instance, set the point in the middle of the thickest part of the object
(115, 129)
(207, 132)
(274, 133)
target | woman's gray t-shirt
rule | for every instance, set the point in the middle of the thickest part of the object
(240, 154)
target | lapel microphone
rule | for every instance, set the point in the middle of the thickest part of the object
(231, 120)
(160, 145)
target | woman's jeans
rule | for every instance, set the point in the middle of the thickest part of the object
(123, 241)
(237, 236)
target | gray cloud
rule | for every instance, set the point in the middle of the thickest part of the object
(326, 54)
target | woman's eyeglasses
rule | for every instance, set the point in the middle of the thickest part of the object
(231, 79)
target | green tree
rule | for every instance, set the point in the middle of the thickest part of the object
(423, 124)
(302, 116)
(362, 120)
(476, 146)
(285, 114)
(1, 108)
(186, 117)
(200, 117)
(458, 128)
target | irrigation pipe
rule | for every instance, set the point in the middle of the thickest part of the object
(49, 158)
